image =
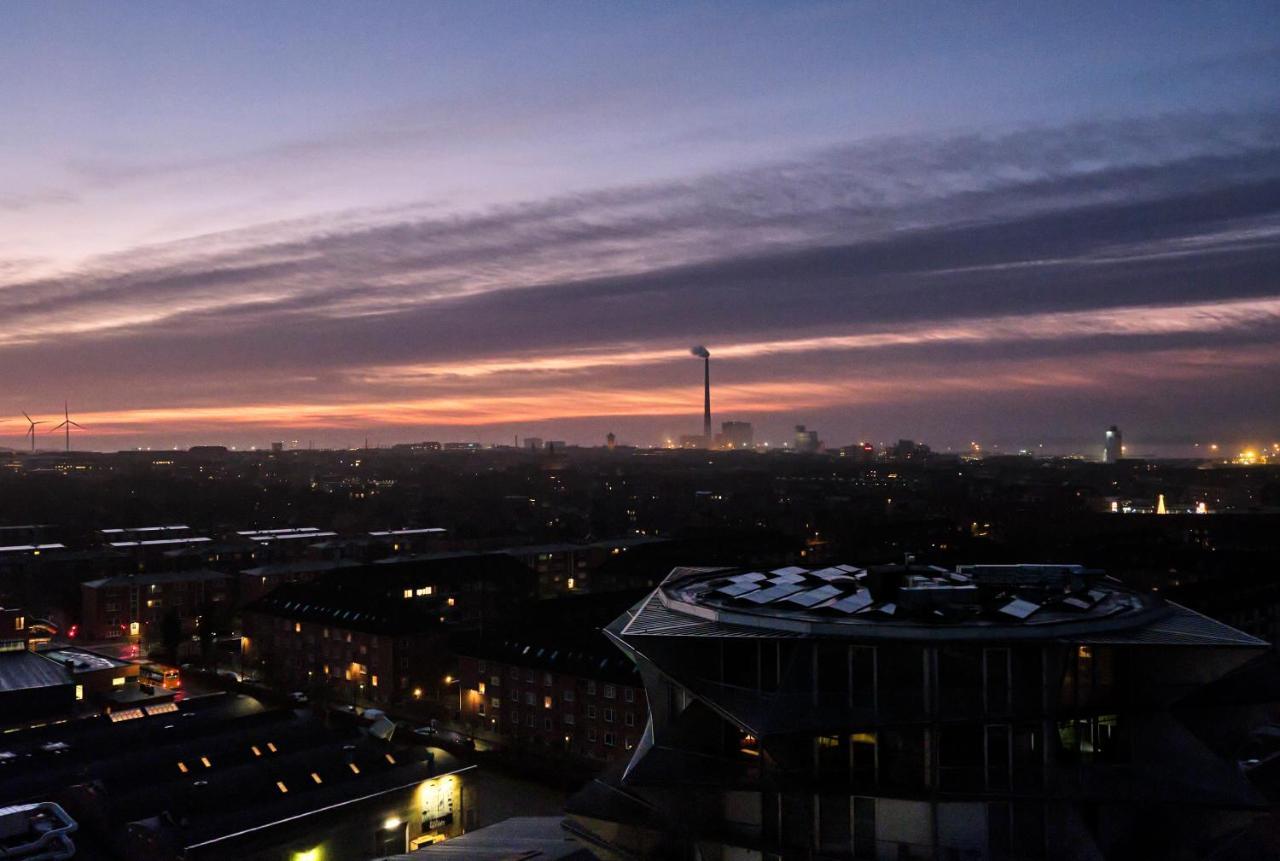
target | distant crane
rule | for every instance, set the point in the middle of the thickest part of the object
(67, 425)
(31, 429)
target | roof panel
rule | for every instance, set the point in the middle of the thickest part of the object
(814, 596)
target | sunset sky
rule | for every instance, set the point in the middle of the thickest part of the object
(1013, 223)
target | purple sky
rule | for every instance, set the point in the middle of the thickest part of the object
(1010, 223)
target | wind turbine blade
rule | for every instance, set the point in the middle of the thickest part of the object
(25, 416)
(77, 425)
(57, 427)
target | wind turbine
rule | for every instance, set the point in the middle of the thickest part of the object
(67, 425)
(31, 429)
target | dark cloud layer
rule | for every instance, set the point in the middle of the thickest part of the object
(891, 233)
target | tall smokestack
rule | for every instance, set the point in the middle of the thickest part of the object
(703, 353)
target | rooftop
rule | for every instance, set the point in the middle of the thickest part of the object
(23, 670)
(918, 602)
(156, 577)
(83, 660)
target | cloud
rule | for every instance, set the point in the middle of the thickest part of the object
(1157, 233)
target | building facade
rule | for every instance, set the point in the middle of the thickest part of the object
(378, 633)
(132, 605)
(568, 694)
(991, 712)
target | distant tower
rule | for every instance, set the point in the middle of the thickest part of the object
(1112, 449)
(610, 440)
(702, 353)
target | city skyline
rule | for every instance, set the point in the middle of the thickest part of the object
(480, 222)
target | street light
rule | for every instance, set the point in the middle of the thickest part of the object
(450, 680)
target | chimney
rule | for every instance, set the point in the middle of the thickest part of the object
(706, 398)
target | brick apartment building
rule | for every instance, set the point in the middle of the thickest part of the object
(554, 682)
(132, 605)
(379, 633)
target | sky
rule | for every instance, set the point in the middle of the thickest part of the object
(1012, 224)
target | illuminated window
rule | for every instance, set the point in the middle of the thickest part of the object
(79, 692)
(391, 759)
(546, 702)
(182, 767)
(355, 769)
(117, 682)
(297, 627)
(374, 681)
(423, 591)
(480, 687)
(316, 777)
(571, 583)
(452, 602)
(408, 593)
(280, 786)
(19, 623)
(256, 750)
(204, 760)
(271, 746)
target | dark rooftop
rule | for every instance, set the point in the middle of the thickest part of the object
(970, 602)
(23, 670)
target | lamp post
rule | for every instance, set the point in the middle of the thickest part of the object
(450, 680)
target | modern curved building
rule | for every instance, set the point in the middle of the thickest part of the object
(991, 712)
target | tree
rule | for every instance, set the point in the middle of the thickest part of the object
(171, 633)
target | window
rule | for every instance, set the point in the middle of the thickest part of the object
(591, 733)
(629, 719)
(297, 627)
(609, 739)
(495, 702)
(515, 717)
(591, 687)
(373, 680)
(629, 695)
(567, 696)
(482, 666)
(591, 712)
(528, 676)
(480, 687)
(546, 679)
(515, 673)
(79, 692)
(610, 692)
(546, 723)
(528, 698)
(480, 708)
(408, 593)
(1092, 738)
(608, 715)
(864, 827)
(863, 747)
(117, 682)
(546, 701)
(569, 719)
(496, 681)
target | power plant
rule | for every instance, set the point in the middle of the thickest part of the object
(702, 353)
